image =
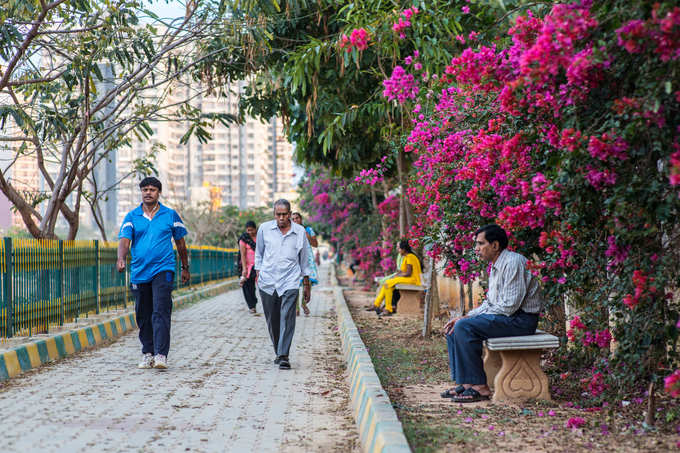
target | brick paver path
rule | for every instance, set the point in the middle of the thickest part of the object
(221, 393)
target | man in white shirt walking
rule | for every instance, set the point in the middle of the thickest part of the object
(280, 261)
(511, 308)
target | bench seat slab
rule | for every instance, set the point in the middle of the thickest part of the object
(404, 286)
(540, 340)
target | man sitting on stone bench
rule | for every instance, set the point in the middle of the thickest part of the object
(511, 308)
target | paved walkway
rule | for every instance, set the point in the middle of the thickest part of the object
(221, 393)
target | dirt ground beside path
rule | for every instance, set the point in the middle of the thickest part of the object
(414, 372)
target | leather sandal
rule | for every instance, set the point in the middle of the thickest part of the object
(456, 391)
(470, 396)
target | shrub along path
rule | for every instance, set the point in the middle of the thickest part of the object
(414, 371)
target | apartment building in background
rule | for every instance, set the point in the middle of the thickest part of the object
(21, 171)
(245, 165)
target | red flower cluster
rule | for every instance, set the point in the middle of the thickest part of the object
(644, 289)
(358, 39)
(578, 330)
(658, 34)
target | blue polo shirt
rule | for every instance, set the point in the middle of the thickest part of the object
(151, 241)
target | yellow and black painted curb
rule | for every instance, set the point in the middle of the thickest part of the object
(33, 355)
(380, 430)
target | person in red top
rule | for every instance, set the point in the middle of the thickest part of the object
(246, 245)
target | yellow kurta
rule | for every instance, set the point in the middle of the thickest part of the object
(387, 289)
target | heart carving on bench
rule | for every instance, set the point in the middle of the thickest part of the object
(522, 379)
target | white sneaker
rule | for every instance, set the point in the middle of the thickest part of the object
(147, 361)
(160, 362)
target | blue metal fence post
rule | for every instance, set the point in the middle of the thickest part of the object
(62, 285)
(8, 289)
(97, 275)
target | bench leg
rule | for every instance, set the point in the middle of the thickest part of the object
(521, 376)
(492, 365)
(409, 303)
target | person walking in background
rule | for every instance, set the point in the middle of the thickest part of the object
(246, 245)
(280, 261)
(150, 229)
(409, 274)
(313, 271)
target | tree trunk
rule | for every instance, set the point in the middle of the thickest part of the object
(97, 215)
(431, 300)
(651, 406)
(403, 226)
(461, 297)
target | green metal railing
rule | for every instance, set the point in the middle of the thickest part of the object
(45, 283)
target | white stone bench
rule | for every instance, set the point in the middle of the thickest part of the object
(410, 298)
(513, 366)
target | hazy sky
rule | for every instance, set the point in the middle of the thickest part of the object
(167, 8)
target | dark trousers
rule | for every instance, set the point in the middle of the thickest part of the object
(279, 312)
(249, 289)
(465, 342)
(153, 307)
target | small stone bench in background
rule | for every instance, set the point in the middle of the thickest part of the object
(410, 299)
(513, 366)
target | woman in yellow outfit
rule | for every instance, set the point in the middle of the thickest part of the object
(408, 274)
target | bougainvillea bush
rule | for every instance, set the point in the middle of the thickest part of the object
(363, 229)
(565, 131)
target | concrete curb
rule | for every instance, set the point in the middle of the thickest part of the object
(33, 355)
(379, 428)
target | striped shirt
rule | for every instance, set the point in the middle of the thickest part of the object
(511, 287)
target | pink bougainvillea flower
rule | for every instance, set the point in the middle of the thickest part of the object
(672, 383)
(575, 422)
(400, 86)
(359, 38)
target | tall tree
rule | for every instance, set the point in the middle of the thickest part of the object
(322, 64)
(81, 78)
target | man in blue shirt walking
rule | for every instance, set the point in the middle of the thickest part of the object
(150, 228)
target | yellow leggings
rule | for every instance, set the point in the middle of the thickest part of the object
(387, 290)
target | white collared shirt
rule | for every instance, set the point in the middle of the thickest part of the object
(280, 258)
(511, 287)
